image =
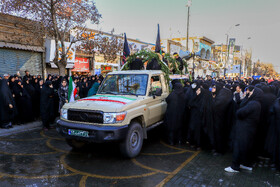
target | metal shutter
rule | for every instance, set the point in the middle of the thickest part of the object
(12, 60)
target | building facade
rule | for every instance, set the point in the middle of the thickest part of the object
(19, 49)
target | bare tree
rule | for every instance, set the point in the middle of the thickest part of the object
(54, 18)
(107, 46)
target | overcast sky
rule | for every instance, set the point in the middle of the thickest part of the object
(258, 19)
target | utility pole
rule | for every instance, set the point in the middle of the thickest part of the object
(226, 59)
(188, 28)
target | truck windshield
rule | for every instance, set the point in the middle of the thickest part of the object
(124, 84)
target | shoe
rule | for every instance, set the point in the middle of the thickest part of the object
(230, 170)
(45, 129)
(246, 168)
(52, 127)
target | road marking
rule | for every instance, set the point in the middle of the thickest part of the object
(4, 139)
(49, 145)
(177, 148)
(27, 154)
(164, 181)
(62, 160)
(149, 168)
(49, 137)
(37, 177)
(83, 181)
(164, 154)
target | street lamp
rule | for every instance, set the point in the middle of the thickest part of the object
(227, 51)
(188, 23)
(241, 62)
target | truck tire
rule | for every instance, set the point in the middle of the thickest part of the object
(131, 146)
(75, 144)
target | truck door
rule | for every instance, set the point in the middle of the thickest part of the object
(156, 104)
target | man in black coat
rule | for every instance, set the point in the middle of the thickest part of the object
(174, 114)
(47, 104)
(245, 129)
(7, 105)
(179, 59)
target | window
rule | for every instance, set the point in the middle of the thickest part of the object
(124, 84)
(155, 84)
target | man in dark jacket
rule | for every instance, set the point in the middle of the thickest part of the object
(248, 116)
(181, 63)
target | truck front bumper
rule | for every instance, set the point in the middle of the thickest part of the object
(97, 134)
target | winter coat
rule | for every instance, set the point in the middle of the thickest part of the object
(93, 90)
(63, 96)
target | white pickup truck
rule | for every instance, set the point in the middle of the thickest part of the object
(126, 106)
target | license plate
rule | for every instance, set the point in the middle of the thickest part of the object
(78, 133)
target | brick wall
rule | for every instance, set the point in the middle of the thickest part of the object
(19, 31)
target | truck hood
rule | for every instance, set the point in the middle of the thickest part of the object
(105, 103)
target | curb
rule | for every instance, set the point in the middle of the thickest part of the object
(21, 128)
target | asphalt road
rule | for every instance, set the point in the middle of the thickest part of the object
(38, 158)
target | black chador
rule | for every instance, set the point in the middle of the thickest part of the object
(7, 105)
(221, 102)
(174, 113)
(248, 116)
(47, 104)
(23, 102)
(273, 137)
(196, 116)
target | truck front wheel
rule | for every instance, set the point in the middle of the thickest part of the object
(132, 144)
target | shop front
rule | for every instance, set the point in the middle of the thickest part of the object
(81, 66)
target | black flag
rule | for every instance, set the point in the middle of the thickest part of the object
(158, 46)
(126, 50)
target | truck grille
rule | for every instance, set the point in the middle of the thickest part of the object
(85, 116)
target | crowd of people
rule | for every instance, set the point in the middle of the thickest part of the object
(214, 114)
(28, 98)
(222, 115)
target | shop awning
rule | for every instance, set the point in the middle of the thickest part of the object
(68, 66)
(106, 64)
(22, 47)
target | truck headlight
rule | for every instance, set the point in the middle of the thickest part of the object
(114, 117)
(64, 113)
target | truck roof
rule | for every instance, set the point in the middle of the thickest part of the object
(137, 72)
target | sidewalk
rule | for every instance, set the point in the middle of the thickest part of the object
(21, 128)
(207, 170)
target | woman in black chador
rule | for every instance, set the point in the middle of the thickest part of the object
(196, 116)
(222, 98)
(248, 116)
(7, 105)
(174, 114)
(273, 136)
(47, 104)
(23, 102)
